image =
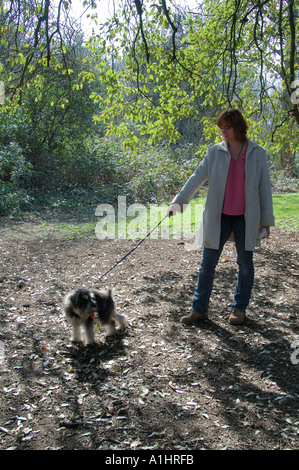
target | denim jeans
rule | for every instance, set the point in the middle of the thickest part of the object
(209, 262)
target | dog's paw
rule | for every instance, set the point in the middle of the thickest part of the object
(111, 334)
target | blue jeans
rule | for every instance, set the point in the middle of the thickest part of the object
(209, 262)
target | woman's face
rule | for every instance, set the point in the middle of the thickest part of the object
(227, 131)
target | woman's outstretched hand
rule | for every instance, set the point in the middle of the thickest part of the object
(173, 209)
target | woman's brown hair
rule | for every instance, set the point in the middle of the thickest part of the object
(234, 119)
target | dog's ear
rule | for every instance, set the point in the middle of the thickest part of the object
(74, 299)
(101, 304)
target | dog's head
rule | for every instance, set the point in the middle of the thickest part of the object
(83, 301)
(105, 304)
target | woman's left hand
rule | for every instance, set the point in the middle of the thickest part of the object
(267, 231)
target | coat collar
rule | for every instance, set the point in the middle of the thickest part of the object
(223, 146)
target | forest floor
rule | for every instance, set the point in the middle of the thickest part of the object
(158, 386)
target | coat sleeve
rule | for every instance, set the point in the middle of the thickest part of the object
(265, 194)
(196, 180)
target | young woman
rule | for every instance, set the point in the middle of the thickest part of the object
(239, 201)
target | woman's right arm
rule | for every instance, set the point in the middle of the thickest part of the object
(196, 180)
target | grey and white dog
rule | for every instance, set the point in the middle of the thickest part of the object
(83, 307)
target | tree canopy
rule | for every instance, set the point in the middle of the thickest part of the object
(161, 63)
(160, 58)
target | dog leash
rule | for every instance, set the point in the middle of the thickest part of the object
(135, 248)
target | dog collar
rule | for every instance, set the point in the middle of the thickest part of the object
(92, 314)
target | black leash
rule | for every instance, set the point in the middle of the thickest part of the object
(135, 248)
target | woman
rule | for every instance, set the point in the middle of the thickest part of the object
(239, 200)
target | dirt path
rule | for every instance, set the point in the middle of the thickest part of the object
(160, 385)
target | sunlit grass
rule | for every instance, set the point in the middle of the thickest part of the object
(286, 211)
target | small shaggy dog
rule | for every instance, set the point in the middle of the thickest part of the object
(82, 307)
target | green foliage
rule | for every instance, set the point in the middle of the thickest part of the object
(15, 172)
(227, 56)
(51, 122)
(107, 170)
(158, 172)
(13, 167)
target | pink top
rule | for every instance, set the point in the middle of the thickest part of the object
(234, 198)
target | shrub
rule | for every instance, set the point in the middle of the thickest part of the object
(15, 174)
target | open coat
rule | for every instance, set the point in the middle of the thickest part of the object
(258, 195)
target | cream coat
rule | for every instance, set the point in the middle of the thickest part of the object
(258, 195)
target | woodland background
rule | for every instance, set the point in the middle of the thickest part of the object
(129, 108)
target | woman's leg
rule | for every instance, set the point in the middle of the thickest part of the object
(246, 268)
(207, 269)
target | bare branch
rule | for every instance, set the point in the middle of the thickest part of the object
(140, 12)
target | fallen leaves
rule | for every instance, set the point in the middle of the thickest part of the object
(160, 385)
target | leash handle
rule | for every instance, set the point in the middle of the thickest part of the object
(135, 248)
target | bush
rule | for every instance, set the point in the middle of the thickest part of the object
(15, 174)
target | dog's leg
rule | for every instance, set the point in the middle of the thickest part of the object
(120, 320)
(77, 335)
(110, 328)
(89, 331)
(115, 320)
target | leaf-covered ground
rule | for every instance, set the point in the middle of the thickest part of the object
(160, 385)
